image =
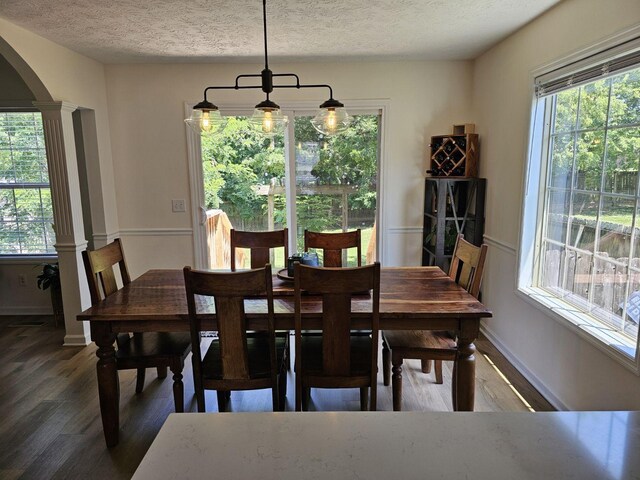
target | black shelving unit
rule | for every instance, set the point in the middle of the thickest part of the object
(451, 206)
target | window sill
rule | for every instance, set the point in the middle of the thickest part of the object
(617, 346)
(27, 259)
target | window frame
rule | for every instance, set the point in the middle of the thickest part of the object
(194, 155)
(26, 258)
(534, 190)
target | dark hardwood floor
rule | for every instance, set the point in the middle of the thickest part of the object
(50, 426)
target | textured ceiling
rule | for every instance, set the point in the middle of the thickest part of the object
(126, 31)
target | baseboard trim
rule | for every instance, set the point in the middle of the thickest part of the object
(76, 341)
(34, 260)
(26, 311)
(526, 373)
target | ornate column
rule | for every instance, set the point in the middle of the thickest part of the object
(67, 214)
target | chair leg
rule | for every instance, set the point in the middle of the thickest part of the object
(275, 397)
(197, 385)
(386, 363)
(200, 399)
(364, 400)
(162, 372)
(373, 398)
(426, 366)
(140, 380)
(178, 387)
(454, 387)
(438, 368)
(397, 386)
(306, 396)
(223, 400)
(282, 390)
(298, 391)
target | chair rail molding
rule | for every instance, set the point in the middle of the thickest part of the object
(404, 230)
(101, 239)
(505, 247)
(163, 232)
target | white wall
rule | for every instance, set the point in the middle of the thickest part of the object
(146, 108)
(570, 370)
(22, 299)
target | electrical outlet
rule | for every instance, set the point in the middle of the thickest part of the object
(22, 280)
(178, 206)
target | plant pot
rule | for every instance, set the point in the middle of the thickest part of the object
(56, 303)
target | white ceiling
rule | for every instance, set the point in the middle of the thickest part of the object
(144, 31)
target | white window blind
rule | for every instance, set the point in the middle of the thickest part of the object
(612, 61)
(26, 214)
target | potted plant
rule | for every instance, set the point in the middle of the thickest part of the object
(50, 279)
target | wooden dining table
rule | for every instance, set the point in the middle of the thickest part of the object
(411, 298)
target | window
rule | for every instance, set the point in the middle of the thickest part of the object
(585, 233)
(336, 181)
(26, 215)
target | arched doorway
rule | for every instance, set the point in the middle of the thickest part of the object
(23, 90)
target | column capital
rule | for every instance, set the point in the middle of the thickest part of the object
(70, 247)
(55, 106)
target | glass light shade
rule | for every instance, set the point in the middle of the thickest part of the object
(268, 121)
(205, 121)
(331, 121)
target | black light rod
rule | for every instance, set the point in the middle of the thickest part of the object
(236, 87)
(244, 87)
(306, 86)
(247, 75)
(264, 22)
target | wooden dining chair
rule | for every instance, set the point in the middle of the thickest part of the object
(160, 350)
(332, 245)
(467, 265)
(235, 360)
(259, 245)
(336, 358)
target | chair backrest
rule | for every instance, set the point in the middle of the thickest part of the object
(467, 265)
(332, 245)
(260, 244)
(98, 265)
(229, 290)
(336, 286)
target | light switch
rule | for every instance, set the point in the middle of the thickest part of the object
(178, 206)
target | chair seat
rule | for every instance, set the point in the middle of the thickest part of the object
(154, 344)
(258, 355)
(420, 340)
(360, 354)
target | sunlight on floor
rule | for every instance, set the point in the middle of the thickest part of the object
(526, 404)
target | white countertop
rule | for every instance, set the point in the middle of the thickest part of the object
(395, 445)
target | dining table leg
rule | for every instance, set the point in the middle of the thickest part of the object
(464, 382)
(108, 384)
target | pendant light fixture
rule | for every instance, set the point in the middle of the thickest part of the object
(267, 117)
